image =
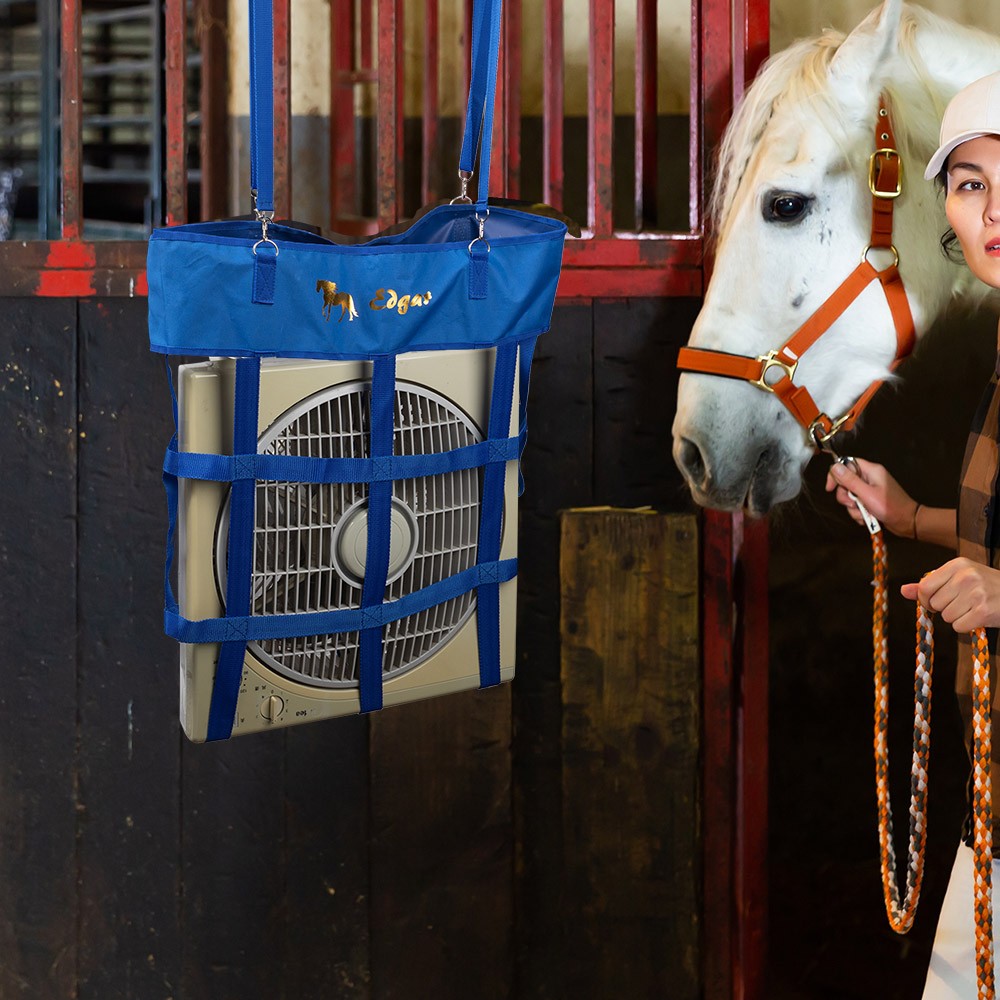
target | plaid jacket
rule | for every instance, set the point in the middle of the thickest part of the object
(977, 539)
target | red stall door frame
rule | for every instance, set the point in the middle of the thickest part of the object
(730, 40)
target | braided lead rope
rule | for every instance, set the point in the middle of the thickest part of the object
(901, 914)
(982, 814)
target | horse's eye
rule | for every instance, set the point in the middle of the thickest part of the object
(785, 207)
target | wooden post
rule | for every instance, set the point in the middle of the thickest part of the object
(630, 686)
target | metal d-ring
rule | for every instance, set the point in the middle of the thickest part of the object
(266, 239)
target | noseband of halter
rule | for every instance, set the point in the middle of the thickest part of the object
(775, 371)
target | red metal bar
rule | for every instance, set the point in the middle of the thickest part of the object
(343, 158)
(390, 111)
(600, 128)
(71, 268)
(645, 115)
(752, 28)
(431, 109)
(214, 138)
(282, 111)
(175, 25)
(553, 103)
(511, 185)
(71, 99)
(713, 102)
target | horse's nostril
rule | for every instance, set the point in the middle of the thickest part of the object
(690, 460)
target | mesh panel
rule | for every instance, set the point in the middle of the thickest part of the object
(303, 531)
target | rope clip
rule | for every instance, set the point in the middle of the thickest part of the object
(871, 521)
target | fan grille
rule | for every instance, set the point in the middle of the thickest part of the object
(298, 551)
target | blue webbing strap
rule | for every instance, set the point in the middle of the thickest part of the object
(262, 103)
(259, 628)
(302, 469)
(381, 419)
(491, 516)
(482, 92)
(239, 561)
(170, 488)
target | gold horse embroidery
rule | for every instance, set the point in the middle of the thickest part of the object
(331, 298)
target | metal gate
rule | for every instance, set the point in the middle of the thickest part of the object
(611, 261)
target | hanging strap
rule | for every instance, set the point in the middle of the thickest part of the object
(491, 516)
(486, 21)
(262, 104)
(239, 559)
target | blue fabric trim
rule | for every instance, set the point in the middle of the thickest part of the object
(239, 559)
(491, 517)
(382, 400)
(296, 469)
(257, 628)
(424, 236)
(265, 272)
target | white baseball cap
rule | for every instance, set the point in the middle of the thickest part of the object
(972, 112)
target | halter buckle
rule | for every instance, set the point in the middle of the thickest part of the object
(887, 152)
(823, 438)
(768, 361)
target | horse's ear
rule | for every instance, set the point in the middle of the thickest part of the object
(862, 63)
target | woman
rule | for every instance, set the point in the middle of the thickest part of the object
(964, 591)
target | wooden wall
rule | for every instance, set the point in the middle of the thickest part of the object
(424, 851)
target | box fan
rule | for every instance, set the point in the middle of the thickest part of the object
(310, 539)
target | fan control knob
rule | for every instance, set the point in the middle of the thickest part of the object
(271, 707)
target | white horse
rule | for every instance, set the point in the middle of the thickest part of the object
(793, 214)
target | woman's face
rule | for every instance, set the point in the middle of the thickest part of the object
(973, 204)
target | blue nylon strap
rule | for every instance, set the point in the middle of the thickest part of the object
(239, 563)
(479, 270)
(300, 469)
(170, 488)
(491, 517)
(382, 417)
(262, 103)
(482, 92)
(258, 628)
(265, 272)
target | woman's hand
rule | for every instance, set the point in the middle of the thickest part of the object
(965, 593)
(878, 491)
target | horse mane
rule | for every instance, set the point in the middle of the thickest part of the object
(796, 82)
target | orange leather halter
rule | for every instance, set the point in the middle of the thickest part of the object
(775, 371)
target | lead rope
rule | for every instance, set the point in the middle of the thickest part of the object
(901, 914)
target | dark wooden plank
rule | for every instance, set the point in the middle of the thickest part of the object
(38, 821)
(442, 849)
(327, 874)
(233, 851)
(630, 671)
(635, 397)
(557, 464)
(129, 761)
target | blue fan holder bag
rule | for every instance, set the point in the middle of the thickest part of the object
(468, 275)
